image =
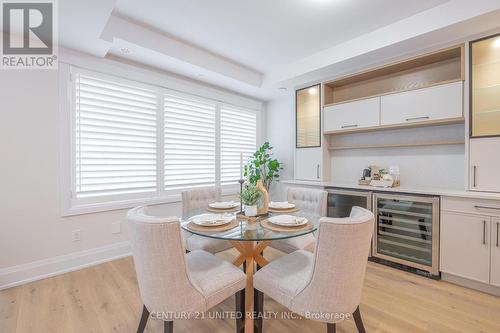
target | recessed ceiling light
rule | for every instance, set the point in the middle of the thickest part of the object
(125, 50)
(312, 91)
(496, 43)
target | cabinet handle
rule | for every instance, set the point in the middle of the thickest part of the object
(486, 207)
(484, 232)
(349, 126)
(417, 118)
(498, 227)
(317, 171)
(474, 176)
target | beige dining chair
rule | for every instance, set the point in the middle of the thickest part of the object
(196, 202)
(312, 203)
(174, 284)
(325, 285)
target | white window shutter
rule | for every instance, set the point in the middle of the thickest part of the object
(189, 142)
(238, 135)
(115, 137)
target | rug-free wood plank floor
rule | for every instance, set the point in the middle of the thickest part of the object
(105, 298)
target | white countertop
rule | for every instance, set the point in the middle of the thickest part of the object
(402, 189)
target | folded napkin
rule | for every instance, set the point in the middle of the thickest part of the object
(300, 220)
(222, 204)
(209, 219)
(280, 204)
(288, 220)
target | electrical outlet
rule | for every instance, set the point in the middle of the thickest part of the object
(116, 227)
(77, 235)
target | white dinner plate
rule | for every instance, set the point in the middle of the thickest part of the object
(224, 205)
(212, 219)
(288, 220)
(281, 205)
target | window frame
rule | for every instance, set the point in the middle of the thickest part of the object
(69, 205)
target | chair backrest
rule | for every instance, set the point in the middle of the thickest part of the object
(309, 201)
(340, 261)
(196, 201)
(160, 264)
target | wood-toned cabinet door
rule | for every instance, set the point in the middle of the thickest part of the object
(495, 252)
(465, 246)
(426, 104)
(485, 164)
(485, 87)
(308, 164)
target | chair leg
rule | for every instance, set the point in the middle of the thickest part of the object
(240, 311)
(168, 327)
(259, 310)
(144, 320)
(331, 328)
(358, 321)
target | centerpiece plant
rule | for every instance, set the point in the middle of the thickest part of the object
(250, 197)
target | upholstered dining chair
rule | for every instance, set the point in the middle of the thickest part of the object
(174, 284)
(311, 203)
(325, 285)
(196, 202)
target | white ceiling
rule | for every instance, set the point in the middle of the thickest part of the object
(263, 34)
(253, 47)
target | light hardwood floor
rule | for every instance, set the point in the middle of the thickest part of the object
(105, 298)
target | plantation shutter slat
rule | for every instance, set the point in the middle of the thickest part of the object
(115, 139)
(238, 135)
(189, 127)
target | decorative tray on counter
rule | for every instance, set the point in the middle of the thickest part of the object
(379, 183)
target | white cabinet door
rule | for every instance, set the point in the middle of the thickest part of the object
(434, 103)
(465, 246)
(358, 114)
(308, 164)
(495, 252)
(485, 164)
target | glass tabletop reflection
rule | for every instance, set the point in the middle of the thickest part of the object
(253, 232)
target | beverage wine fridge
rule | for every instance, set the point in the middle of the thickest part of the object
(407, 230)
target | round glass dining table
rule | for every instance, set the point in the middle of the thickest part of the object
(250, 240)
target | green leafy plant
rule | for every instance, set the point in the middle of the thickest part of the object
(263, 167)
(250, 195)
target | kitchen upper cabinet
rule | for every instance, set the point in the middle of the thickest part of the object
(434, 103)
(465, 246)
(485, 87)
(495, 252)
(308, 117)
(308, 164)
(352, 115)
(485, 164)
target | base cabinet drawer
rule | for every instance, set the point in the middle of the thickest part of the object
(465, 246)
(471, 206)
(352, 115)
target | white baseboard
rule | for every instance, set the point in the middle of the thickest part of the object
(41, 269)
(485, 288)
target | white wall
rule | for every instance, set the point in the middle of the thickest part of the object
(35, 241)
(281, 135)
